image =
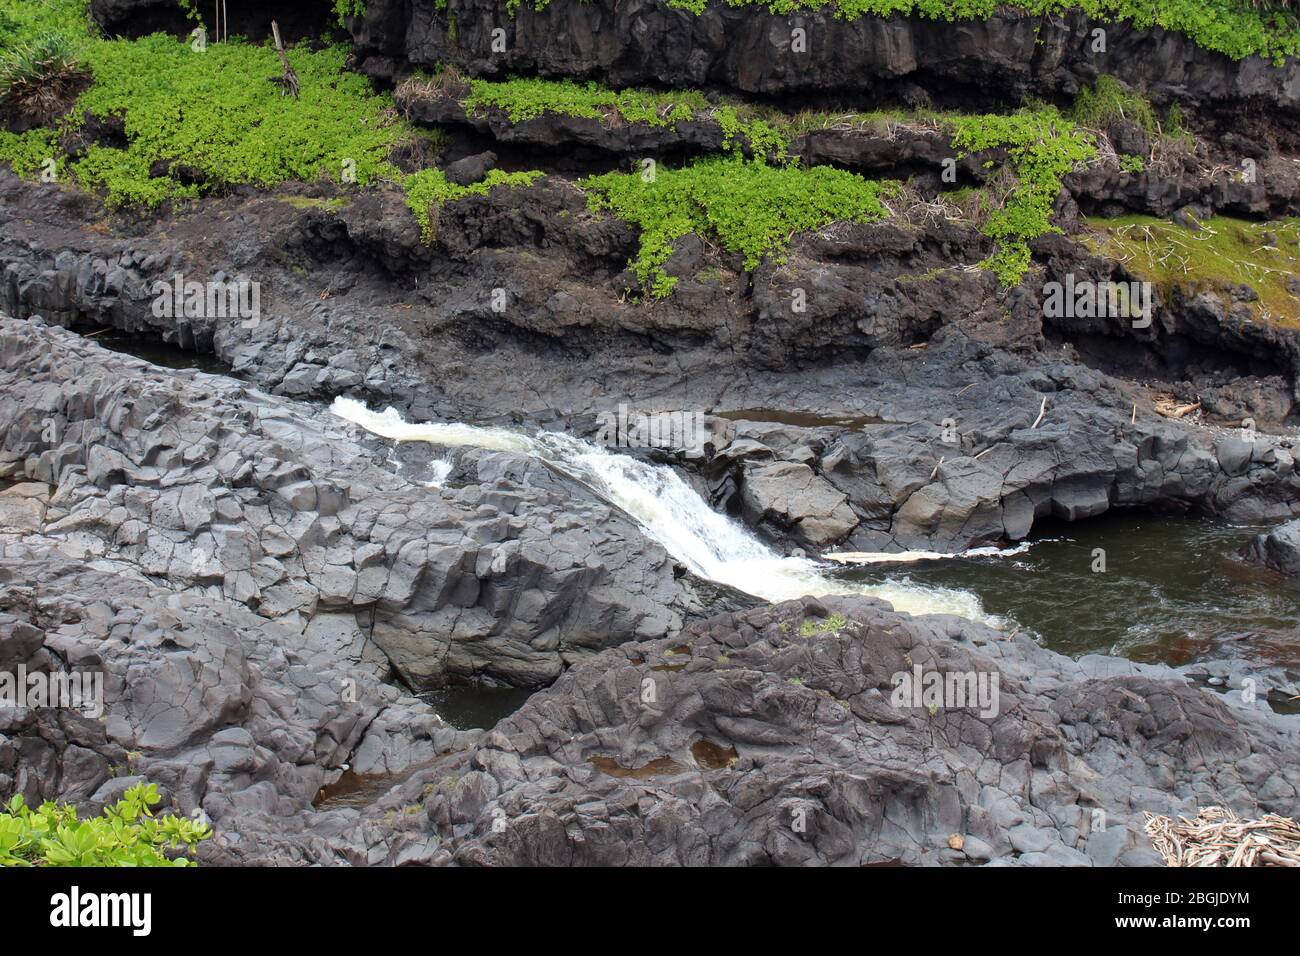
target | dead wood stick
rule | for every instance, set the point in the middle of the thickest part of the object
(290, 79)
(1041, 412)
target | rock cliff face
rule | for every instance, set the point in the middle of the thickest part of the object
(298, 19)
(1000, 60)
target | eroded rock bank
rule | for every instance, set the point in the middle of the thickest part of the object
(995, 61)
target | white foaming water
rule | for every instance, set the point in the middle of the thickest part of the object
(668, 509)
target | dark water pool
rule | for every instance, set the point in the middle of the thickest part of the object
(474, 706)
(1172, 591)
(156, 351)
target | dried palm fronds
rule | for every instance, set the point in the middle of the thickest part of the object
(1218, 838)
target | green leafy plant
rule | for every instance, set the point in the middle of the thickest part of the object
(428, 189)
(1043, 147)
(126, 834)
(527, 98)
(349, 8)
(23, 21)
(218, 116)
(1108, 101)
(26, 153)
(745, 205)
(812, 626)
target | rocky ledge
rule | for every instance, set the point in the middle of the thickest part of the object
(901, 330)
(996, 61)
(507, 572)
(775, 737)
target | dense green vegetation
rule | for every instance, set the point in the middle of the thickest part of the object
(126, 834)
(1043, 144)
(1235, 28)
(198, 122)
(527, 98)
(1222, 253)
(218, 114)
(744, 205)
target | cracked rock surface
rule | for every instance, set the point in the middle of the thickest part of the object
(770, 737)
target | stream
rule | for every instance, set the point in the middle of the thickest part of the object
(1172, 589)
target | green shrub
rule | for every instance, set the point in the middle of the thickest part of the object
(1043, 146)
(746, 206)
(1109, 101)
(22, 21)
(26, 153)
(219, 115)
(126, 834)
(429, 188)
(812, 626)
(527, 98)
(349, 8)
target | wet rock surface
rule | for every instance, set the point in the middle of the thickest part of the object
(1278, 549)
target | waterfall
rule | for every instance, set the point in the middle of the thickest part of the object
(670, 512)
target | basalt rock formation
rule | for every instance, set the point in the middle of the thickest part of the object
(267, 588)
(1278, 549)
(774, 737)
(205, 484)
(951, 370)
(997, 61)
